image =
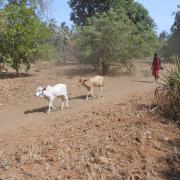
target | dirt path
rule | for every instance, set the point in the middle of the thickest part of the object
(115, 137)
(24, 111)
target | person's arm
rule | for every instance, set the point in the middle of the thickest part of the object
(152, 64)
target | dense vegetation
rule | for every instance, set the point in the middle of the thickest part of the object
(106, 34)
(114, 34)
(170, 43)
(26, 35)
(21, 32)
(168, 95)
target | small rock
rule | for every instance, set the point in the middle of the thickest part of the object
(138, 139)
(47, 167)
(147, 135)
(166, 139)
(104, 160)
(58, 178)
(122, 144)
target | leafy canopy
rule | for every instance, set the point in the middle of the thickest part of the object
(174, 40)
(81, 10)
(20, 34)
(113, 37)
(170, 44)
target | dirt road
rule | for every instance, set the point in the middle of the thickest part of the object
(23, 119)
(24, 110)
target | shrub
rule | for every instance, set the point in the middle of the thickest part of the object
(168, 95)
(110, 39)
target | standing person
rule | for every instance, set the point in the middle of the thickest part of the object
(156, 66)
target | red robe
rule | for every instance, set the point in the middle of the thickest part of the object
(156, 66)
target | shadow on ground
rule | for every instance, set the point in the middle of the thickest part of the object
(37, 110)
(77, 71)
(141, 107)
(144, 81)
(78, 97)
(11, 75)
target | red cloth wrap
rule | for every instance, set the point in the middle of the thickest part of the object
(156, 66)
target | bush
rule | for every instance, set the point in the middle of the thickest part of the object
(48, 52)
(110, 39)
(168, 95)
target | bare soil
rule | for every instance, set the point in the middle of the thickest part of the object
(118, 136)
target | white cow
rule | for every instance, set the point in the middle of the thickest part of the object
(51, 92)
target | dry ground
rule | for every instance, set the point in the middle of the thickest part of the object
(115, 137)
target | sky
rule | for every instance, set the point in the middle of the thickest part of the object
(160, 10)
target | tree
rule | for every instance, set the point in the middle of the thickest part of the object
(110, 38)
(117, 35)
(170, 44)
(174, 40)
(81, 10)
(163, 36)
(20, 36)
(40, 7)
(164, 50)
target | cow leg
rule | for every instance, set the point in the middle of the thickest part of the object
(50, 105)
(92, 94)
(67, 101)
(87, 96)
(62, 105)
(100, 91)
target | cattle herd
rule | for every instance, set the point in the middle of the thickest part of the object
(60, 90)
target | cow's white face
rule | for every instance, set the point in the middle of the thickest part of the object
(39, 92)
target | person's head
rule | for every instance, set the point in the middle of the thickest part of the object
(155, 54)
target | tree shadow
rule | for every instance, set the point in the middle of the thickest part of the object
(141, 107)
(78, 71)
(37, 110)
(12, 75)
(144, 81)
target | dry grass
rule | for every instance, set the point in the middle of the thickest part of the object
(168, 94)
(122, 141)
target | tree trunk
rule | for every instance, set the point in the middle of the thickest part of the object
(105, 68)
(17, 72)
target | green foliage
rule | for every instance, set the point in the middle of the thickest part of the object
(174, 40)
(61, 38)
(136, 13)
(111, 38)
(169, 94)
(172, 77)
(47, 52)
(85, 9)
(163, 45)
(112, 32)
(82, 10)
(20, 35)
(34, 4)
(170, 45)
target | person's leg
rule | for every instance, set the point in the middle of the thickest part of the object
(156, 79)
